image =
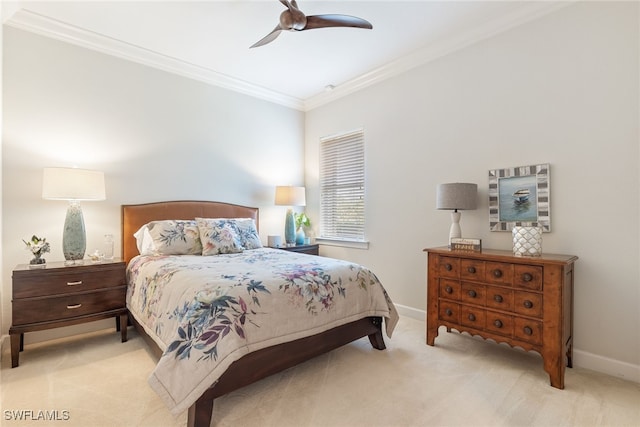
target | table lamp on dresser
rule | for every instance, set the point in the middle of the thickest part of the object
(456, 196)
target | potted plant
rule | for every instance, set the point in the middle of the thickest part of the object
(37, 247)
(302, 222)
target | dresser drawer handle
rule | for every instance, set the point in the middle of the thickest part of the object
(471, 270)
(448, 267)
(448, 289)
(528, 331)
(472, 317)
(497, 273)
(497, 298)
(527, 304)
(448, 312)
(79, 282)
(527, 277)
(472, 293)
(74, 306)
(498, 323)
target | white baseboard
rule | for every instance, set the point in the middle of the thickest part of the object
(606, 365)
(411, 312)
(582, 359)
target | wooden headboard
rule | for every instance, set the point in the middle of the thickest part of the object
(135, 216)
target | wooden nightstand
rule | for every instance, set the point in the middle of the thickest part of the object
(60, 295)
(304, 249)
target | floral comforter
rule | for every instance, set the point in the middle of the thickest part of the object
(205, 312)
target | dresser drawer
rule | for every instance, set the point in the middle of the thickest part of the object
(43, 309)
(450, 289)
(500, 298)
(528, 277)
(527, 330)
(472, 316)
(473, 293)
(449, 267)
(472, 269)
(499, 273)
(64, 281)
(528, 303)
(500, 323)
(449, 311)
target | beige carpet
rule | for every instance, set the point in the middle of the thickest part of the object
(94, 380)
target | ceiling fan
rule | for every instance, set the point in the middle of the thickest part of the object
(293, 19)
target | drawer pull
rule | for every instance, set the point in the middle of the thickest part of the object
(79, 282)
(471, 270)
(527, 304)
(497, 298)
(448, 267)
(472, 317)
(448, 289)
(497, 273)
(527, 277)
(497, 323)
(528, 331)
(472, 293)
(74, 306)
(448, 312)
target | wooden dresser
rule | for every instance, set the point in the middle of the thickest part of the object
(523, 301)
(60, 295)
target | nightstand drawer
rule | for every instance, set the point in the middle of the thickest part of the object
(36, 310)
(26, 284)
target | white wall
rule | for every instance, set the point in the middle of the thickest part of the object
(561, 90)
(156, 136)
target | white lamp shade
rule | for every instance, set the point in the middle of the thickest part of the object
(456, 196)
(72, 184)
(290, 196)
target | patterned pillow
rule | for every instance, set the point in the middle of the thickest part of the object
(169, 237)
(248, 233)
(219, 236)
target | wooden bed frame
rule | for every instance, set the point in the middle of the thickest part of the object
(262, 363)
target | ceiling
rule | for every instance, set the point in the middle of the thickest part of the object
(209, 40)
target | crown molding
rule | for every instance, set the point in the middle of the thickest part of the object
(39, 24)
(437, 50)
(45, 26)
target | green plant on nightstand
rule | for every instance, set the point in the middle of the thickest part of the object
(302, 222)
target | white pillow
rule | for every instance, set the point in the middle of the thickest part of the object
(169, 237)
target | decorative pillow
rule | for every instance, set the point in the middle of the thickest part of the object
(169, 237)
(248, 233)
(219, 236)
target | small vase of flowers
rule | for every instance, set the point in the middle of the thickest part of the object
(37, 247)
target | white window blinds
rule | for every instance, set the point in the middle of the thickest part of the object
(342, 186)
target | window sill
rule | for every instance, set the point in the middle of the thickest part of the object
(343, 243)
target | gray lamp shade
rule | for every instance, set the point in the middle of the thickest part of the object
(456, 196)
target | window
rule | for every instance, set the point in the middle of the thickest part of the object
(342, 187)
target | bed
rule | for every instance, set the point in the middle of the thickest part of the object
(218, 323)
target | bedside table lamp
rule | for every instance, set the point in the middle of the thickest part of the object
(290, 196)
(73, 185)
(454, 196)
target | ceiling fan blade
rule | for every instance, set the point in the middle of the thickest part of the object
(268, 38)
(325, 21)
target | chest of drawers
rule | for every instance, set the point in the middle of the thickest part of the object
(60, 295)
(524, 301)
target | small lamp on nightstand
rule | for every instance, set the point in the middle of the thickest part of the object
(290, 196)
(73, 185)
(454, 196)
